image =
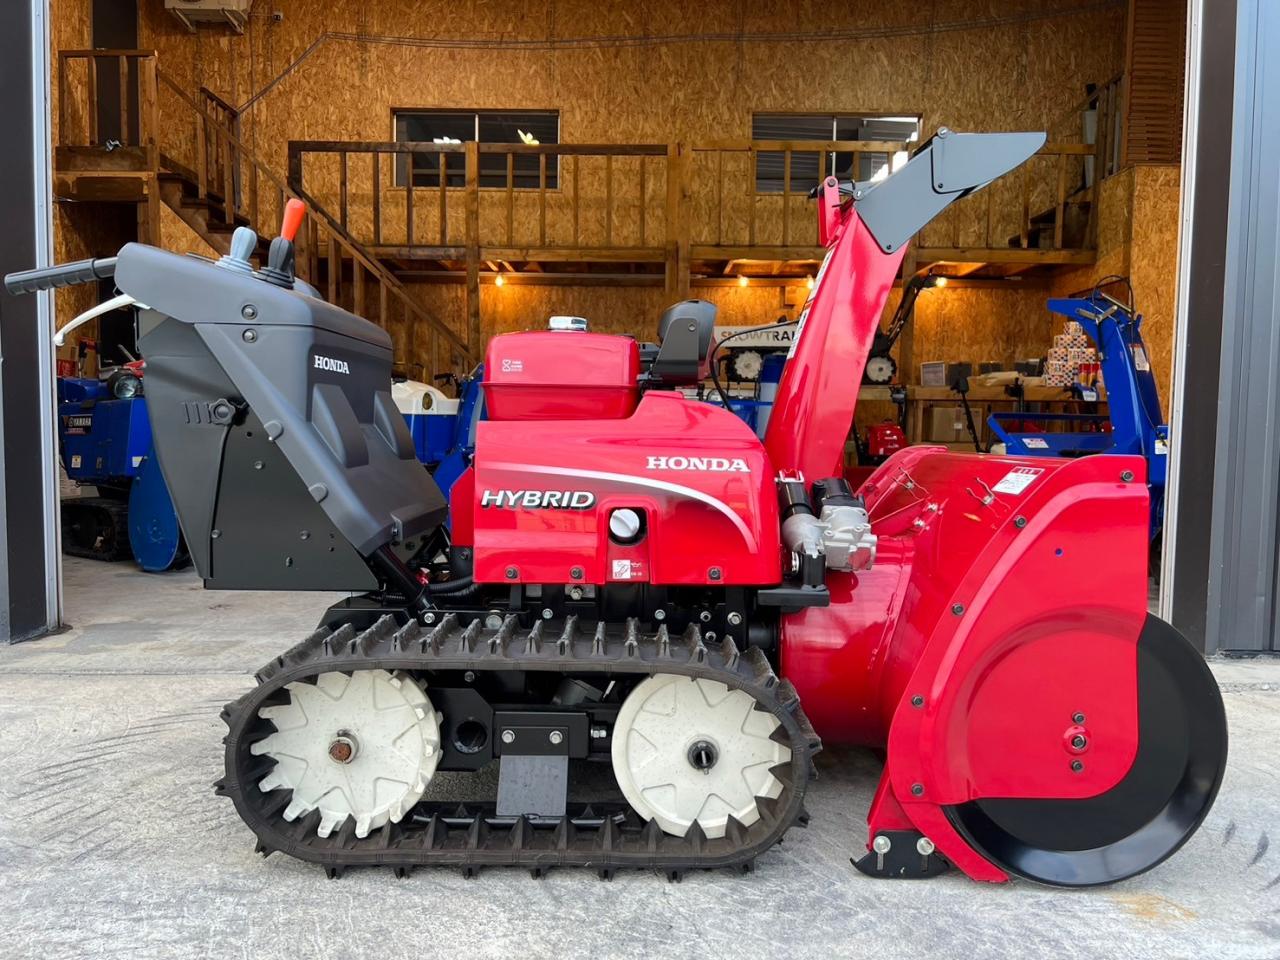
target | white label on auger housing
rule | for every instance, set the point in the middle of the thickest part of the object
(1017, 480)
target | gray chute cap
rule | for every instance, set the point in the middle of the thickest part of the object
(945, 168)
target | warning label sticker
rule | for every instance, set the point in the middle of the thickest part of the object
(628, 570)
(1035, 443)
(1017, 479)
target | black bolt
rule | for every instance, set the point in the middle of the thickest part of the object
(1019, 522)
(1126, 476)
(1077, 717)
(1076, 766)
(714, 573)
(214, 534)
(512, 573)
(917, 789)
(957, 608)
(917, 701)
(1079, 741)
(703, 755)
(249, 312)
(576, 573)
(258, 464)
(305, 535)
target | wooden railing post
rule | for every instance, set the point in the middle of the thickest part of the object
(472, 159)
(123, 67)
(678, 197)
(149, 111)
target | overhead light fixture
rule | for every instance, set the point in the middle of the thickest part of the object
(808, 282)
(499, 280)
(940, 281)
(742, 280)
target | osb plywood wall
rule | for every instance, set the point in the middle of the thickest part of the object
(1138, 238)
(1153, 264)
(654, 72)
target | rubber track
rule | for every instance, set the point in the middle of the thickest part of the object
(116, 510)
(610, 650)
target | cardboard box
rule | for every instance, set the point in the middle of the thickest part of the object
(946, 425)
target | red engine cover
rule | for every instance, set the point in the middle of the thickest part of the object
(698, 476)
(546, 375)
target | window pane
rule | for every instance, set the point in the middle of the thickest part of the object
(877, 128)
(505, 126)
(429, 127)
(806, 168)
(777, 126)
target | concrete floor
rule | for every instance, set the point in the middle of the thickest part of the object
(113, 844)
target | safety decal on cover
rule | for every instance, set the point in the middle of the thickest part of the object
(627, 570)
(1035, 443)
(1017, 479)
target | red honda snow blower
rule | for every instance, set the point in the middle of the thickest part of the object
(632, 578)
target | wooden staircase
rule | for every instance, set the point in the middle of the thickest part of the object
(214, 183)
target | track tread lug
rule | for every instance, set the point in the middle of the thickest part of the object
(631, 638)
(519, 833)
(664, 641)
(693, 640)
(435, 639)
(599, 643)
(405, 636)
(467, 641)
(533, 642)
(729, 652)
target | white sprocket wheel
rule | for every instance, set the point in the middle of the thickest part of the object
(362, 745)
(747, 364)
(687, 750)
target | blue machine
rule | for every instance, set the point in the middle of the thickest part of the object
(1134, 424)
(105, 442)
(431, 417)
(754, 411)
(462, 445)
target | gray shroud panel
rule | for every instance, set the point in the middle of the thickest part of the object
(274, 427)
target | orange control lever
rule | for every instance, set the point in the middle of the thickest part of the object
(294, 211)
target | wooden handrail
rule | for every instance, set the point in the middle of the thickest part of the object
(108, 53)
(323, 223)
(219, 102)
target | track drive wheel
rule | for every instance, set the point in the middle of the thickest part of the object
(362, 745)
(1147, 816)
(691, 750)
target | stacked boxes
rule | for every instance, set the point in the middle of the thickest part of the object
(1071, 349)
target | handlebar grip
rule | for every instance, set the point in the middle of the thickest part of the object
(63, 275)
